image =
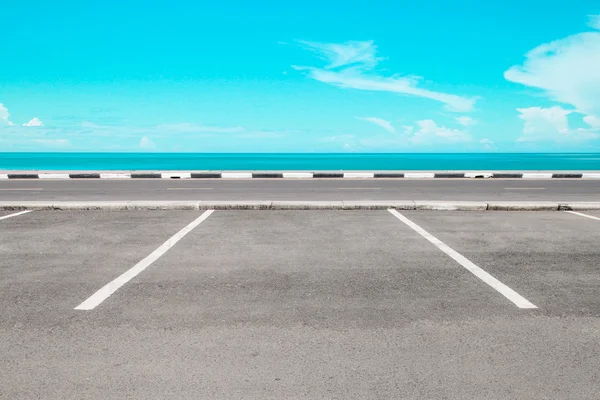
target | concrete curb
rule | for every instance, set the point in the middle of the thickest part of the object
(4, 175)
(302, 205)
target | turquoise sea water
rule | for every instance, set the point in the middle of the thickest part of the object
(303, 161)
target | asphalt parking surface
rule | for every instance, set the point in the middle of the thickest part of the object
(299, 304)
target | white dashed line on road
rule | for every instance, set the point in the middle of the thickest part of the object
(94, 300)
(358, 188)
(584, 215)
(21, 189)
(500, 287)
(516, 188)
(190, 188)
(15, 214)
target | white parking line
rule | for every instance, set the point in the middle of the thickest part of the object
(500, 287)
(16, 214)
(94, 300)
(584, 215)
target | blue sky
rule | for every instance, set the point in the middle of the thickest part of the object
(311, 76)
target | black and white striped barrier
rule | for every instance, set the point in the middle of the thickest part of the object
(302, 175)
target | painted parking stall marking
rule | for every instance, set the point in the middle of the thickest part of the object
(15, 214)
(500, 287)
(106, 291)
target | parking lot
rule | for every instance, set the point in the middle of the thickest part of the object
(299, 304)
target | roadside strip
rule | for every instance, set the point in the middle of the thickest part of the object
(299, 175)
(302, 205)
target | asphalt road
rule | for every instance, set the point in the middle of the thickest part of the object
(299, 304)
(314, 189)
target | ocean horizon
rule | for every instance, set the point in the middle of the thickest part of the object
(299, 161)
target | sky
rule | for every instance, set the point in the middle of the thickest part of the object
(310, 76)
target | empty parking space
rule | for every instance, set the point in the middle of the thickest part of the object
(299, 304)
(312, 268)
(549, 257)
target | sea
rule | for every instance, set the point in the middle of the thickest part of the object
(301, 161)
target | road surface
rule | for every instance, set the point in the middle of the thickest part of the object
(310, 190)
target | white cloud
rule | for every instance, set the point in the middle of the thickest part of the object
(346, 54)
(380, 122)
(545, 120)
(34, 122)
(551, 124)
(567, 70)
(407, 129)
(4, 116)
(487, 144)
(430, 133)
(466, 121)
(592, 121)
(351, 65)
(147, 144)
(594, 21)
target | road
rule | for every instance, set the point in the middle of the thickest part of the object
(299, 304)
(313, 189)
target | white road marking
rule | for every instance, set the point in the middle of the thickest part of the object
(236, 175)
(190, 188)
(94, 300)
(584, 215)
(18, 189)
(419, 175)
(115, 176)
(54, 176)
(478, 174)
(516, 188)
(15, 214)
(352, 175)
(297, 175)
(591, 175)
(500, 287)
(359, 188)
(180, 175)
(534, 175)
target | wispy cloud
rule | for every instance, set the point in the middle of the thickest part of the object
(379, 122)
(352, 64)
(487, 144)
(34, 122)
(4, 116)
(465, 121)
(594, 21)
(146, 143)
(566, 70)
(429, 132)
(592, 121)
